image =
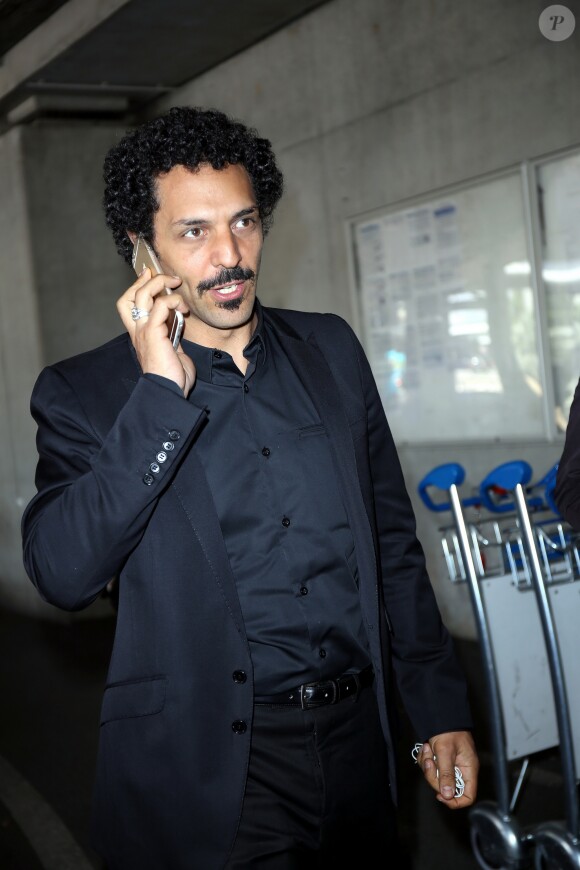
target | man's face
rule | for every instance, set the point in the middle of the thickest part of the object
(208, 232)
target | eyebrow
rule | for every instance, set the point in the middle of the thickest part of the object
(196, 222)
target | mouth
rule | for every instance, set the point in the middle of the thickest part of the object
(229, 288)
(228, 291)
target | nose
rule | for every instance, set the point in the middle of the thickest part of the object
(226, 252)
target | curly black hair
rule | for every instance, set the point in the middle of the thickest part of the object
(183, 136)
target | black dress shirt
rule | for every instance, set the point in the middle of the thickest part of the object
(270, 469)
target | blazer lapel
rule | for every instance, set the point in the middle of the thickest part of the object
(194, 495)
(313, 370)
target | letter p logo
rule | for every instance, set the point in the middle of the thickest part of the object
(557, 23)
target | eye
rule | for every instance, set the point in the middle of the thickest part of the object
(245, 223)
(193, 233)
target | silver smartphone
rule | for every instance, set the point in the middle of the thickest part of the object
(143, 255)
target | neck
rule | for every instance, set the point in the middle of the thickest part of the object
(232, 341)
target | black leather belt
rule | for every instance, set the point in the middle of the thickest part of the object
(325, 692)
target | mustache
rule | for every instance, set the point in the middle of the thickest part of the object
(225, 276)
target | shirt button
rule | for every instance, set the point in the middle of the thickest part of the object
(217, 354)
(161, 456)
(168, 445)
(285, 522)
(148, 479)
(322, 653)
(265, 451)
(246, 388)
(303, 590)
(239, 726)
(239, 676)
(174, 435)
(154, 468)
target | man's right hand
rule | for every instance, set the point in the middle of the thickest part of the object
(150, 335)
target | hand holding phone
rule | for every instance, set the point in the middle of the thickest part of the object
(144, 256)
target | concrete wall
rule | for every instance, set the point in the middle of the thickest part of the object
(20, 353)
(368, 103)
(60, 279)
(77, 272)
(372, 102)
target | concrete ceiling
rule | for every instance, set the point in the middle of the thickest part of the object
(98, 58)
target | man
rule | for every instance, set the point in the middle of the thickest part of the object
(247, 493)
(567, 489)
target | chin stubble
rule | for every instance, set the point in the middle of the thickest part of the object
(231, 304)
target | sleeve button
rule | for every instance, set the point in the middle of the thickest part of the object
(161, 456)
(174, 435)
(154, 468)
(168, 445)
(148, 479)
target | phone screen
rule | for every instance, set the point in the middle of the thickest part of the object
(144, 256)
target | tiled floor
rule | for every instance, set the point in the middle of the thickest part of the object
(51, 680)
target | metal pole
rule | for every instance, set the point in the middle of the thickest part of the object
(555, 664)
(496, 718)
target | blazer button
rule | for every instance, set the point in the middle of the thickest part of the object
(174, 435)
(239, 676)
(285, 522)
(239, 726)
(148, 479)
(168, 445)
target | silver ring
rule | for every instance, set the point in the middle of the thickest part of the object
(138, 313)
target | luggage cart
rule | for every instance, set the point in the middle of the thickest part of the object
(487, 551)
(557, 844)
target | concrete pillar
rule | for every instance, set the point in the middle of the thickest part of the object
(60, 279)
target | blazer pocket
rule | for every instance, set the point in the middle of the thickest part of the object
(315, 429)
(134, 699)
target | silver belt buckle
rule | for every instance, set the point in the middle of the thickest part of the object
(305, 686)
(303, 698)
(357, 684)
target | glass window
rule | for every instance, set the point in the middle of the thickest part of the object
(559, 199)
(449, 316)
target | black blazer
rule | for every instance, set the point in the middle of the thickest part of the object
(177, 710)
(567, 489)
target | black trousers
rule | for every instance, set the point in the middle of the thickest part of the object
(318, 791)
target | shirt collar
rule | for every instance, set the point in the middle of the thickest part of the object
(206, 359)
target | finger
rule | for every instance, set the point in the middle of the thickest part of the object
(145, 293)
(456, 803)
(154, 284)
(127, 300)
(129, 294)
(160, 308)
(427, 762)
(446, 781)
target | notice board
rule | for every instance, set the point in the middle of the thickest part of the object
(449, 316)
